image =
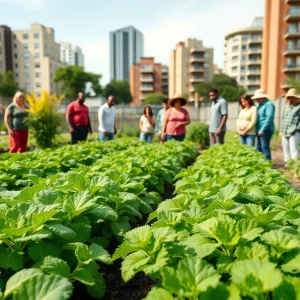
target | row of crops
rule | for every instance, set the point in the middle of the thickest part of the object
(230, 232)
(55, 231)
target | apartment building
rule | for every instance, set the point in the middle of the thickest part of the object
(71, 54)
(36, 57)
(5, 49)
(217, 70)
(242, 55)
(146, 77)
(190, 64)
(281, 46)
(165, 80)
(126, 49)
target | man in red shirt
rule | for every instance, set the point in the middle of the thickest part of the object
(77, 117)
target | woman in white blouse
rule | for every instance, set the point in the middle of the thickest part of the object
(147, 125)
(246, 123)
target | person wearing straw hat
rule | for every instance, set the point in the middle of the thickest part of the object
(290, 126)
(265, 122)
(176, 119)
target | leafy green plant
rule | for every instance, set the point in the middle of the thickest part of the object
(198, 133)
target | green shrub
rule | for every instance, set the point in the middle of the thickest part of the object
(128, 130)
(198, 133)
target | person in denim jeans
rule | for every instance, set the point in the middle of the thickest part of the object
(265, 122)
(147, 124)
(246, 123)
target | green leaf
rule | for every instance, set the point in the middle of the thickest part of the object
(123, 250)
(84, 276)
(56, 266)
(161, 260)
(255, 277)
(139, 237)
(10, 259)
(42, 234)
(288, 290)
(46, 287)
(132, 263)
(98, 289)
(82, 253)
(38, 251)
(78, 183)
(159, 294)
(292, 263)
(62, 231)
(282, 242)
(18, 279)
(248, 229)
(255, 251)
(41, 218)
(229, 192)
(104, 212)
(99, 253)
(120, 227)
(194, 277)
(82, 231)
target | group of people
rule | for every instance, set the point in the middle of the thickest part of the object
(255, 124)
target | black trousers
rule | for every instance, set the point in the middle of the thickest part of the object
(80, 134)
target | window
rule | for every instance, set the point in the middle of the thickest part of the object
(242, 78)
(16, 65)
(244, 47)
(36, 35)
(36, 45)
(15, 45)
(36, 55)
(206, 65)
(245, 38)
(26, 55)
(37, 75)
(16, 75)
(0, 50)
(37, 65)
(27, 75)
(25, 36)
(206, 55)
(242, 68)
(16, 55)
(1, 64)
(243, 57)
(15, 37)
(235, 48)
(27, 85)
(38, 85)
(38, 94)
(26, 65)
(26, 46)
(234, 69)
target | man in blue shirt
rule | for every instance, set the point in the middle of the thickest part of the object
(161, 116)
(218, 118)
(265, 122)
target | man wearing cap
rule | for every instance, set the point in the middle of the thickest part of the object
(290, 126)
(265, 122)
(218, 118)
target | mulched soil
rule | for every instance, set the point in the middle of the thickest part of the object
(277, 156)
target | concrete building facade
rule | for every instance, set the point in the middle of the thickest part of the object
(243, 54)
(5, 49)
(281, 46)
(36, 57)
(126, 49)
(165, 80)
(146, 77)
(190, 64)
(71, 54)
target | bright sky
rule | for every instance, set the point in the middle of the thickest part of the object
(87, 23)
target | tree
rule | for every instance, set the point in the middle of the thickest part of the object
(73, 79)
(227, 86)
(155, 98)
(8, 87)
(120, 89)
(294, 84)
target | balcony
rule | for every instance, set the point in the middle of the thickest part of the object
(292, 33)
(293, 15)
(197, 69)
(146, 79)
(198, 50)
(255, 41)
(254, 72)
(252, 82)
(286, 85)
(146, 88)
(145, 69)
(192, 89)
(197, 79)
(291, 51)
(291, 1)
(254, 62)
(196, 59)
(291, 68)
(254, 50)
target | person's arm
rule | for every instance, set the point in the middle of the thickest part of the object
(69, 113)
(253, 120)
(141, 124)
(152, 121)
(101, 120)
(158, 122)
(224, 113)
(7, 116)
(270, 112)
(164, 127)
(281, 126)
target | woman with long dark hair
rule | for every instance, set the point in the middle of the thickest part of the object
(147, 125)
(246, 123)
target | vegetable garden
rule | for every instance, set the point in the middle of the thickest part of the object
(231, 230)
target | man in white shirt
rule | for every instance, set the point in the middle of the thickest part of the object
(106, 116)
